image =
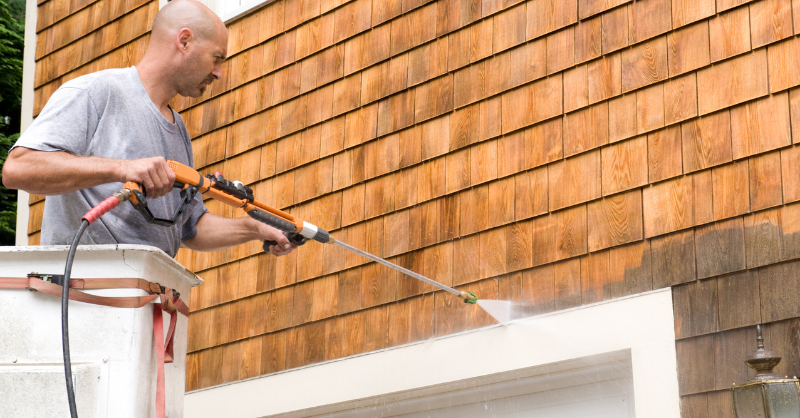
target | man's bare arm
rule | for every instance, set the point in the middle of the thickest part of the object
(215, 233)
(54, 173)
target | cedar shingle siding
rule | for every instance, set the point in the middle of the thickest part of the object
(556, 152)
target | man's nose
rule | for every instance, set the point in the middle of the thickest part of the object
(217, 73)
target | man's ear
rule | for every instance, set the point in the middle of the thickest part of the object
(184, 37)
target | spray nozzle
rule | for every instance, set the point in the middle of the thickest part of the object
(468, 297)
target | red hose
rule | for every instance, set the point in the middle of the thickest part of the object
(101, 209)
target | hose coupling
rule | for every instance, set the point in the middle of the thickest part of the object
(468, 297)
(122, 195)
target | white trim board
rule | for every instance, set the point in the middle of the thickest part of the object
(28, 74)
(642, 324)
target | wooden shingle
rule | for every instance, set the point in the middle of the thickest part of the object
(433, 98)
(586, 129)
(538, 289)
(469, 84)
(576, 88)
(790, 170)
(624, 165)
(739, 301)
(760, 126)
(782, 56)
(571, 232)
(532, 103)
(729, 348)
(733, 81)
(531, 193)
(664, 154)
(706, 141)
(413, 29)
(649, 108)
(688, 48)
(516, 67)
(458, 49)
(588, 39)
(480, 40)
(567, 283)
(644, 64)
(765, 184)
(770, 21)
(671, 206)
(731, 196)
(518, 248)
(621, 117)
(509, 28)
(764, 238)
(778, 284)
(574, 180)
(493, 252)
(474, 209)
(544, 239)
(673, 259)
(367, 48)
(546, 16)
(649, 18)
(379, 196)
(629, 270)
(560, 50)
(729, 33)
(688, 11)
(466, 266)
(353, 18)
(615, 220)
(720, 248)
(695, 364)
(615, 29)
(543, 143)
(604, 78)
(680, 98)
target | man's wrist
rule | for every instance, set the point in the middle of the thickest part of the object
(253, 228)
(110, 168)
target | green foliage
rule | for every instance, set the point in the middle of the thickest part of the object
(12, 35)
(8, 198)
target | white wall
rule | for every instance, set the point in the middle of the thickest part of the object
(642, 324)
(28, 73)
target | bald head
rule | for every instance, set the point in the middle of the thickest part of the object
(187, 14)
(188, 44)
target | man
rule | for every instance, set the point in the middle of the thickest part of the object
(103, 129)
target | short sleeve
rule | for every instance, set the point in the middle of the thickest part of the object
(67, 123)
(189, 228)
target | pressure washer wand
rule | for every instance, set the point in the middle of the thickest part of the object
(467, 297)
(238, 195)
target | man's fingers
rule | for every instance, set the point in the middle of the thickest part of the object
(283, 242)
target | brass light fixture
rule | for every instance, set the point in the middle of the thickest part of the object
(768, 395)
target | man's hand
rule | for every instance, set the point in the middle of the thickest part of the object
(215, 233)
(67, 173)
(268, 233)
(153, 174)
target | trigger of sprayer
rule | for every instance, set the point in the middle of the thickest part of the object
(468, 297)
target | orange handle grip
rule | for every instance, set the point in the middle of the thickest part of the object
(187, 175)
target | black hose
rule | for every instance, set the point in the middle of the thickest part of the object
(73, 410)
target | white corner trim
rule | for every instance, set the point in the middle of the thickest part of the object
(642, 324)
(28, 74)
(239, 12)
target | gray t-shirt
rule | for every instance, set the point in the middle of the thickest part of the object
(109, 114)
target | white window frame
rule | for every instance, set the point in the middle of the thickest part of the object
(231, 15)
(643, 324)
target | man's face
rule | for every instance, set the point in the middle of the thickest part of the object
(202, 64)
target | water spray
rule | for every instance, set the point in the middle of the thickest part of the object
(238, 195)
